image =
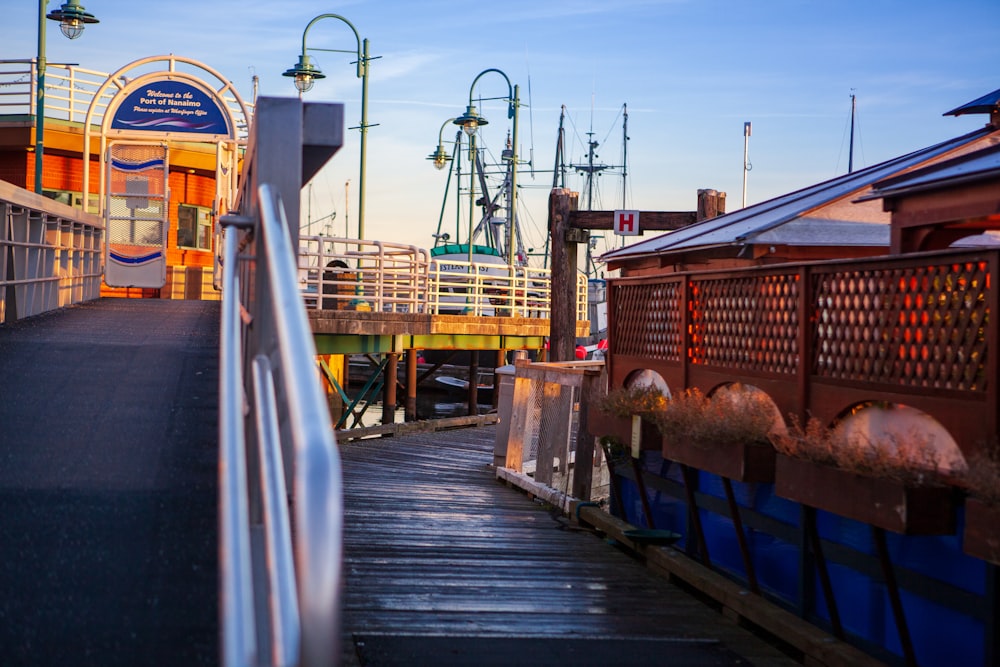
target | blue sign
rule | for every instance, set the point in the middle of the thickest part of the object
(171, 106)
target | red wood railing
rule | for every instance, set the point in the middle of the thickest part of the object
(821, 338)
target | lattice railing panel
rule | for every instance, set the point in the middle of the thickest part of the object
(748, 322)
(648, 320)
(922, 326)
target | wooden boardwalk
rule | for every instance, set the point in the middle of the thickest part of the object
(444, 565)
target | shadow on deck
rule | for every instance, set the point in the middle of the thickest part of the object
(108, 493)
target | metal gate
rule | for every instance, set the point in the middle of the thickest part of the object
(136, 215)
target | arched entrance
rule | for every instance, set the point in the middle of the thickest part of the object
(162, 104)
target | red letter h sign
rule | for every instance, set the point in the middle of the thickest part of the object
(627, 223)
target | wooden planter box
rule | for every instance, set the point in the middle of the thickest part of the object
(744, 462)
(601, 424)
(981, 538)
(884, 503)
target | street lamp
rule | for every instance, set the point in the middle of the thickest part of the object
(471, 121)
(306, 74)
(72, 20)
(439, 157)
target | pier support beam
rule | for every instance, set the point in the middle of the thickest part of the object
(410, 409)
(473, 396)
(389, 389)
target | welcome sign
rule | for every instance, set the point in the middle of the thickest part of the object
(168, 105)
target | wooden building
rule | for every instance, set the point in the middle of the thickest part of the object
(869, 302)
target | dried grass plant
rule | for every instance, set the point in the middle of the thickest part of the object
(910, 460)
(644, 401)
(736, 415)
(982, 477)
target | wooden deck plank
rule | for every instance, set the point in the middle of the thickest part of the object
(434, 545)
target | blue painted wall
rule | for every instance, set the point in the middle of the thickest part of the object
(942, 621)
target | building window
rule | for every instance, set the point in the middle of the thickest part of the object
(194, 227)
(74, 199)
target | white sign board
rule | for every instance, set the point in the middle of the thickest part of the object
(627, 223)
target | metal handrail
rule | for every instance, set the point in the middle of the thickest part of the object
(50, 254)
(317, 480)
(239, 644)
(350, 274)
(285, 622)
(300, 580)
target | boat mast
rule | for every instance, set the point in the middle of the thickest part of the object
(624, 155)
(592, 168)
(747, 129)
(559, 171)
(591, 154)
(850, 152)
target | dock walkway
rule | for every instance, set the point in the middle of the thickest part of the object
(108, 491)
(444, 565)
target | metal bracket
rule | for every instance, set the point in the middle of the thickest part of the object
(235, 220)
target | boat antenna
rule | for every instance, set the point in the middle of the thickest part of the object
(850, 150)
(624, 154)
(255, 84)
(746, 159)
(531, 133)
(531, 121)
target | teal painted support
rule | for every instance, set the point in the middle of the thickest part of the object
(328, 374)
(373, 386)
(375, 391)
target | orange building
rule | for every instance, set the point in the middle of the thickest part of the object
(93, 113)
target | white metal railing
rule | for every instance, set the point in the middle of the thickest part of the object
(69, 91)
(287, 414)
(348, 274)
(582, 296)
(50, 254)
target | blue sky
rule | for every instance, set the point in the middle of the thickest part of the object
(691, 72)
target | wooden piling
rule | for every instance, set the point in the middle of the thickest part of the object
(562, 323)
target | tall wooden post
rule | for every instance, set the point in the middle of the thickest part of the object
(501, 360)
(389, 389)
(473, 395)
(583, 468)
(410, 409)
(562, 322)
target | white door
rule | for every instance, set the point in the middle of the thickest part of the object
(136, 216)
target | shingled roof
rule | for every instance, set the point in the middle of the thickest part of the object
(832, 213)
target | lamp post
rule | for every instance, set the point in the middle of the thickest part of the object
(439, 157)
(305, 74)
(72, 20)
(470, 122)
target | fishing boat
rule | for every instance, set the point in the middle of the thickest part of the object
(493, 247)
(452, 264)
